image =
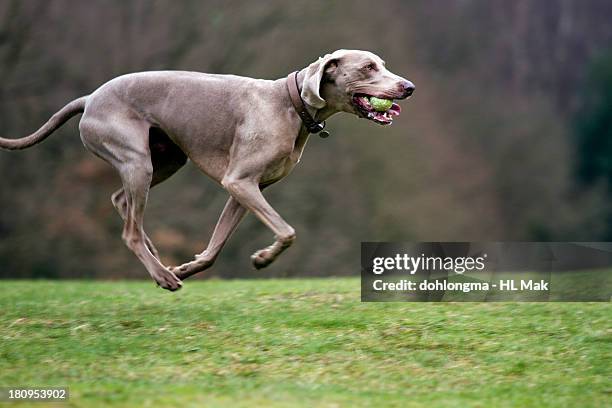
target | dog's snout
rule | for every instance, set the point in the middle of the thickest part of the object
(408, 88)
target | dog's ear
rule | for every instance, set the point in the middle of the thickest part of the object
(312, 81)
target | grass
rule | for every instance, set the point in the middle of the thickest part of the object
(278, 343)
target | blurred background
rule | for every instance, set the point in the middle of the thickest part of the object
(508, 135)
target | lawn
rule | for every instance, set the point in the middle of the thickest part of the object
(310, 343)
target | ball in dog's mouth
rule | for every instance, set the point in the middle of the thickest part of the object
(380, 105)
(378, 110)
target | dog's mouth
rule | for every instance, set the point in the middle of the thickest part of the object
(374, 109)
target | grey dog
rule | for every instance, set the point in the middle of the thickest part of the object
(244, 133)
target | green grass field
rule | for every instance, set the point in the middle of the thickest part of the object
(299, 343)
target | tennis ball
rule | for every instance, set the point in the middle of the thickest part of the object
(380, 105)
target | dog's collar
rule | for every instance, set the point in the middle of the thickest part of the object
(311, 125)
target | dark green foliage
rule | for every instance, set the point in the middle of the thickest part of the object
(594, 125)
(483, 151)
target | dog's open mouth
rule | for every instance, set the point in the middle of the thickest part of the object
(366, 109)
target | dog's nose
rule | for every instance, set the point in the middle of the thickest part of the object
(408, 88)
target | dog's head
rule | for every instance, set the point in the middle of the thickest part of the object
(345, 80)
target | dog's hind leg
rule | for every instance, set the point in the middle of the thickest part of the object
(119, 201)
(123, 142)
(136, 179)
(167, 159)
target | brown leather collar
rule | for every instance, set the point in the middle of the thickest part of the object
(311, 125)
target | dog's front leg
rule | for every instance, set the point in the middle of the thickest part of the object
(248, 193)
(231, 216)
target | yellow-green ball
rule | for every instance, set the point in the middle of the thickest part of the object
(380, 105)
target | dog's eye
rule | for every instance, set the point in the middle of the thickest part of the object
(370, 67)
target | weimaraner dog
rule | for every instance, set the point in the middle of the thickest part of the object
(244, 133)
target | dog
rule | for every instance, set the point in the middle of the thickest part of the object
(244, 133)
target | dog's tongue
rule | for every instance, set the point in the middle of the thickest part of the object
(395, 109)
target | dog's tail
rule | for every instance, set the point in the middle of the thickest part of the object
(73, 108)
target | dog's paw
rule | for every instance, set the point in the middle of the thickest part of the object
(187, 269)
(181, 271)
(261, 259)
(169, 281)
